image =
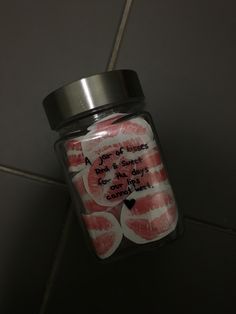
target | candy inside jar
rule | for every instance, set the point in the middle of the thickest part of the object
(115, 168)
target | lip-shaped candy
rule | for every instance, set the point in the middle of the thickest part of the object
(105, 233)
(122, 182)
(153, 216)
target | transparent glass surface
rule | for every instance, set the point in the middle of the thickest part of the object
(119, 182)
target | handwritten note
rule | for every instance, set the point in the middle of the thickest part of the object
(123, 182)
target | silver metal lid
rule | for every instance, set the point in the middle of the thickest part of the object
(108, 88)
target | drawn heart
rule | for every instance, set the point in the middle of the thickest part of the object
(129, 203)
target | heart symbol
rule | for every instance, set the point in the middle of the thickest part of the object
(129, 203)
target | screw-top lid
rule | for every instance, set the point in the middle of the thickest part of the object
(113, 87)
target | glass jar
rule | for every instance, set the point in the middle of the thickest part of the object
(113, 164)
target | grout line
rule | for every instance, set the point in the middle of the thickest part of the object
(119, 36)
(56, 261)
(110, 66)
(31, 176)
(210, 225)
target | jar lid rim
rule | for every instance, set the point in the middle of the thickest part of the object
(88, 93)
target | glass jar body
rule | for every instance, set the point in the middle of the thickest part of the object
(119, 182)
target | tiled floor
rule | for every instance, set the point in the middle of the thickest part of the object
(194, 274)
(184, 53)
(45, 45)
(31, 218)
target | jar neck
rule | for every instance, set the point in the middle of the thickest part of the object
(81, 123)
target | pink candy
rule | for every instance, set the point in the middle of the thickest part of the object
(116, 164)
